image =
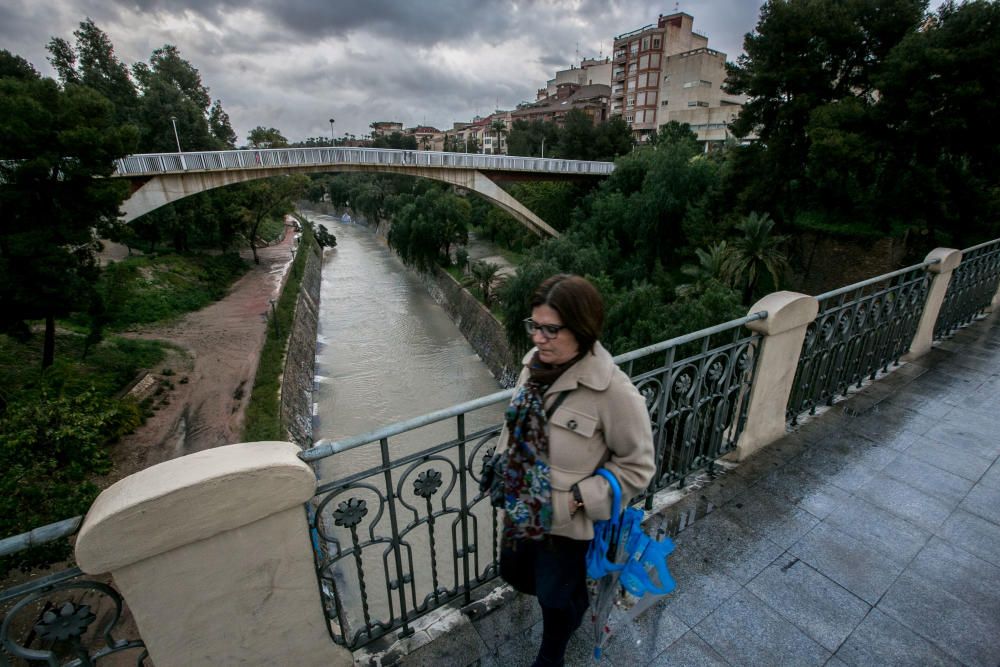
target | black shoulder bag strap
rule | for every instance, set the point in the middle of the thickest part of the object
(556, 403)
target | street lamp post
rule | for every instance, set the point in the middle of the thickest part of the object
(173, 121)
(333, 138)
(543, 148)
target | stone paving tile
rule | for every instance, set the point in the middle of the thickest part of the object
(502, 625)
(953, 625)
(886, 419)
(460, 646)
(983, 501)
(992, 476)
(965, 576)
(642, 640)
(893, 537)
(765, 513)
(844, 464)
(905, 501)
(726, 545)
(882, 641)
(949, 456)
(816, 605)
(849, 562)
(805, 490)
(973, 534)
(520, 651)
(746, 631)
(930, 479)
(690, 651)
(968, 437)
(701, 587)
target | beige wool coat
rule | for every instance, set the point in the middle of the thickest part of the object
(602, 422)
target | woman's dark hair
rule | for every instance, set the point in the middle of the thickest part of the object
(578, 303)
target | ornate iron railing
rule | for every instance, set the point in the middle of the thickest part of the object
(412, 532)
(151, 164)
(62, 618)
(859, 331)
(971, 288)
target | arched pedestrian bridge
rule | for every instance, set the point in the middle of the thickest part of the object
(161, 178)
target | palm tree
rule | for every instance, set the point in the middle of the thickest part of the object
(712, 265)
(485, 276)
(500, 128)
(757, 252)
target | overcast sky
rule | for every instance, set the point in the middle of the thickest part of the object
(293, 64)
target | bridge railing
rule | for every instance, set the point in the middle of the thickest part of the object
(372, 528)
(860, 330)
(971, 288)
(61, 616)
(271, 158)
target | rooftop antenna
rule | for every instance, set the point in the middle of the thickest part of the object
(577, 53)
(677, 7)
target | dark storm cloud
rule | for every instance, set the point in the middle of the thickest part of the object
(295, 63)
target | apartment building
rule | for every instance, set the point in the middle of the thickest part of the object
(665, 71)
(591, 72)
(591, 99)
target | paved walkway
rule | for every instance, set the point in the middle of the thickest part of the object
(869, 536)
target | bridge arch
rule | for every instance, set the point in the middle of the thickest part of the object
(160, 179)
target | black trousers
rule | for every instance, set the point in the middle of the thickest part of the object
(554, 570)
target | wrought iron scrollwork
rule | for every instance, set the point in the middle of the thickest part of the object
(47, 623)
(971, 288)
(859, 332)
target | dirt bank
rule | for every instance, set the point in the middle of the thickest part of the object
(212, 369)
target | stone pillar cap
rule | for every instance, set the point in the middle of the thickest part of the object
(950, 258)
(157, 509)
(785, 311)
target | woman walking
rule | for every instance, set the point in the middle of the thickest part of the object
(573, 411)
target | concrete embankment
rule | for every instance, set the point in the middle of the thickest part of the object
(300, 359)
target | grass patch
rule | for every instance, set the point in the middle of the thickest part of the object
(272, 229)
(263, 416)
(143, 290)
(107, 368)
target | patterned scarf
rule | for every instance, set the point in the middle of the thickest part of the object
(527, 485)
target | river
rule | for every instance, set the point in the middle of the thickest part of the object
(388, 352)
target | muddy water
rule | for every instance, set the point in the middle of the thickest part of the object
(388, 352)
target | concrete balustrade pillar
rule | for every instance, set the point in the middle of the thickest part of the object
(212, 554)
(784, 330)
(940, 277)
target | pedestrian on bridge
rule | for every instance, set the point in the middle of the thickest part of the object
(573, 411)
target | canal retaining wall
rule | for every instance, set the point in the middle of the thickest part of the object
(484, 332)
(300, 360)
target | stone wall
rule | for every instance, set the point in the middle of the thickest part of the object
(483, 331)
(300, 361)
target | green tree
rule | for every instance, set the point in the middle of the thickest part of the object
(499, 129)
(268, 198)
(57, 148)
(485, 276)
(266, 137)
(92, 62)
(220, 127)
(713, 266)
(171, 88)
(756, 253)
(802, 56)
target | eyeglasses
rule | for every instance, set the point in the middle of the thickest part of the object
(548, 331)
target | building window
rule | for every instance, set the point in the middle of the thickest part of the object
(630, 102)
(697, 103)
(644, 61)
(663, 103)
(656, 42)
(651, 97)
(629, 117)
(633, 48)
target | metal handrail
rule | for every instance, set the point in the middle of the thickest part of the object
(41, 535)
(876, 279)
(325, 448)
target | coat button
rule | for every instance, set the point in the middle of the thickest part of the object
(571, 424)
